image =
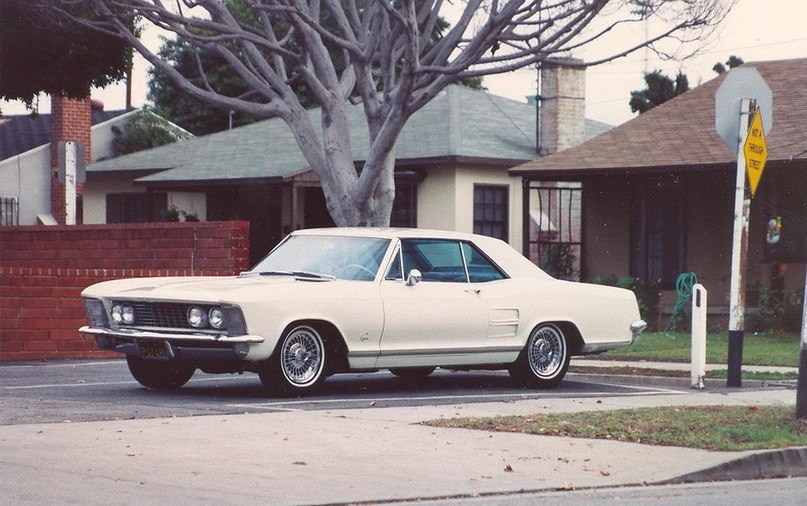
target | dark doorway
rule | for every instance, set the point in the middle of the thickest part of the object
(315, 210)
(259, 204)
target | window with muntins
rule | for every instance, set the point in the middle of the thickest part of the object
(490, 211)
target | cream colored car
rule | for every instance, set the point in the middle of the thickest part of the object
(337, 300)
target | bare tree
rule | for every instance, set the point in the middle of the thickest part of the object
(383, 53)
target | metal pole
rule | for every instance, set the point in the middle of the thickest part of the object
(739, 254)
(801, 389)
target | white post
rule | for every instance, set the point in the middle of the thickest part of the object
(70, 182)
(699, 305)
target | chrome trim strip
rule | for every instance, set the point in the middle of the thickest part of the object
(140, 334)
(449, 351)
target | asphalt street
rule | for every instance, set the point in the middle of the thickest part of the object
(84, 432)
(77, 391)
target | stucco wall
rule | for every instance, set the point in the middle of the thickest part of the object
(96, 189)
(27, 177)
(437, 199)
(466, 179)
(446, 198)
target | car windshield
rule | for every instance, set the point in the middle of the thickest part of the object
(325, 257)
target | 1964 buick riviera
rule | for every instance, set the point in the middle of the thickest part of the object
(338, 300)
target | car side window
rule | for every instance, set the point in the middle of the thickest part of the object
(436, 259)
(395, 272)
(480, 268)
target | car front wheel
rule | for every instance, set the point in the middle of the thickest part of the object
(544, 360)
(298, 365)
(159, 375)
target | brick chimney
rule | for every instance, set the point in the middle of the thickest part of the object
(562, 113)
(71, 120)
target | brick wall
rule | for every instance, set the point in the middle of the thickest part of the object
(563, 106)
(44, 269)
(71, 120)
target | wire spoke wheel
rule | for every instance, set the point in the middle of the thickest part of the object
(547, 350)
(544, 360)
(302, 356)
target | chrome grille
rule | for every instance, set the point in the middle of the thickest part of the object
(160, 314)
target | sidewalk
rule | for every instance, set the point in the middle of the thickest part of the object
(341, 456)
(674, 366)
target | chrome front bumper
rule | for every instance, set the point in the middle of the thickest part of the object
(143, 334)
(636, 329)
(175, 346)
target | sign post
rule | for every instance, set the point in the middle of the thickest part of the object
(743, 96)
(739, 253)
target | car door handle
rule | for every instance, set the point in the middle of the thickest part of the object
(475, 291)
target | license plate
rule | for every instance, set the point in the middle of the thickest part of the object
(153, 350)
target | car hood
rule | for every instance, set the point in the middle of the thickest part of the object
(199, 289)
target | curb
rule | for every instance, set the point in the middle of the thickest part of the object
(667, 381)
(790, 462)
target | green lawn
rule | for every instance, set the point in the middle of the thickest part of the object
(758, 349)
(726, 428)
(735, 428)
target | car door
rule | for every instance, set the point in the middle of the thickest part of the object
(440, 320)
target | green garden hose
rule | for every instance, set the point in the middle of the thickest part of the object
(683, 287)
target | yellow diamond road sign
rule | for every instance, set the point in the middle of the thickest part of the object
(756, 151)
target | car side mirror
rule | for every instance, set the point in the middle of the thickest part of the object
(414, 277)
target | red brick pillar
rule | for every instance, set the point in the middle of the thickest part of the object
(71, 120)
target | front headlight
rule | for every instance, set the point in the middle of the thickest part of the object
(127, 314)
(216, 318)
(116, 313)
(197, 318)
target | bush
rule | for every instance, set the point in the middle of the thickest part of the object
(775, 313)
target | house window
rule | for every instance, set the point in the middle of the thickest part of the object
(490, 211)
(135, 207)
(658, 239)
(9, 211)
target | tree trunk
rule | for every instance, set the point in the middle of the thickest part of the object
(354, 198)
(353, 211)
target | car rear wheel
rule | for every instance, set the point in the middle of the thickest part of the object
(298, 365)
(159, 375)
(544, 360)
(412, 373)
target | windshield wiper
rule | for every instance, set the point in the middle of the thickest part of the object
(305, 275)
(276, 273)
(313, 275)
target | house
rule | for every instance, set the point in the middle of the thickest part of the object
(658, 196)
(450, 172)
(30, 192)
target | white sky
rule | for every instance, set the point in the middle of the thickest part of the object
(755, 30)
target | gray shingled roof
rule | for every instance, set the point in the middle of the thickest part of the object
(459, 123)
(23, 132)
(680, 133)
